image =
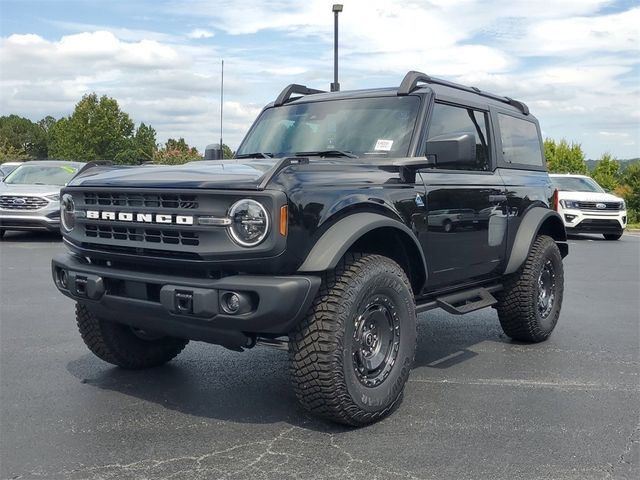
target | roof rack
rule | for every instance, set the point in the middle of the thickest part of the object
(411, 80)
(292, 89)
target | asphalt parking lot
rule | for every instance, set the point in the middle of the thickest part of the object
(477, 405)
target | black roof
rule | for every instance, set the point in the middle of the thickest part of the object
(413, 82)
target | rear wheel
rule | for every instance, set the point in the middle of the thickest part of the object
(529, 305)
(612, 236)
(124, 346)
(351, 357)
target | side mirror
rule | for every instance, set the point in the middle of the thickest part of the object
(452, 149)
(213, 152)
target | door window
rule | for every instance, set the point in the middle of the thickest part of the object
(448, 119)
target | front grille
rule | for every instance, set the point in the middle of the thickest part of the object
(592, 206)
(132, 199)
(16, 202)
(149, 235)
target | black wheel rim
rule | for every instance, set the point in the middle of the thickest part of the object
(546, 289)
(376, 341)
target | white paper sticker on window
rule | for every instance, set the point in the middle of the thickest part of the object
(384, 145)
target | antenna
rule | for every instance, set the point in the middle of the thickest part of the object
(221, 108)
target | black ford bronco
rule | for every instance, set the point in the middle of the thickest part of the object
(342, 216)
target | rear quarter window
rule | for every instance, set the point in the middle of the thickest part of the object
(520, 141)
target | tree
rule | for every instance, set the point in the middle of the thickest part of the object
(8, 153)
(226, 151)
(21, 134)
(564, 157)
(176, 152)
(607, 172)
(140, 148)
(631, 191)
(96, 130)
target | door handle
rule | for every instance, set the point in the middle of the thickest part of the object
(497, 198)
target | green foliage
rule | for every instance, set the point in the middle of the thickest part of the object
(139, 148)
(22, 135)
(96, 130)
(176, 152)
(607, 172)
(226, 151)
(563, 157)
(8, 153)
(631, 194)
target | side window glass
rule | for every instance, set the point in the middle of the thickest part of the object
(520, 141)
(448, 120)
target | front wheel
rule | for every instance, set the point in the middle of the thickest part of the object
(612, 236)
(351, 357)
(125, 346)
(529, 305)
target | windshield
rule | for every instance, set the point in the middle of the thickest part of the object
(41, 175)
(576, 184)
(362, 126)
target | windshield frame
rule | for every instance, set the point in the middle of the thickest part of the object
(587, 180)
(8, 178)
(411, 144)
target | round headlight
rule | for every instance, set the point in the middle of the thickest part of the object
(67, 212)
(249, 222)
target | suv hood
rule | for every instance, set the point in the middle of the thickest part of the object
(588, 196)
(41, 190)
(228, 174)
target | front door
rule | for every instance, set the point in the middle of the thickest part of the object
(466, 206)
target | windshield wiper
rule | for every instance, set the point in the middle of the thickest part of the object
(327, 153)
(255, 155)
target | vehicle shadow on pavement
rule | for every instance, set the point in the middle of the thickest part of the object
(254, 387)
(445, 340)
(243, 388)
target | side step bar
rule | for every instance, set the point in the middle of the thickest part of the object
(462, 302)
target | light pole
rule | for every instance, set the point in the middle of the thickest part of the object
(335, 86)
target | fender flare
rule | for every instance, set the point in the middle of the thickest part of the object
(529, 227)
(335, 242)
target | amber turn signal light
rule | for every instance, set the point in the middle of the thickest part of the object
(284, 213)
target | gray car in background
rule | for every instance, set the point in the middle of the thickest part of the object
(30, 195)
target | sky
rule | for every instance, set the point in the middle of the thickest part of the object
(576, 63)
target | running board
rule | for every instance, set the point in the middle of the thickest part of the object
(467, 301)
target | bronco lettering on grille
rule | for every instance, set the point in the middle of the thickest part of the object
(141, 217)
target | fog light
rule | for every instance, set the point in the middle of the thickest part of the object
(570, 218)
(232, 303)
(236, 303)
(64, 278)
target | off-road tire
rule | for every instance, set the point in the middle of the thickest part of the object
(517, 306)
(322, 360)
(612, 236)
(119, 345)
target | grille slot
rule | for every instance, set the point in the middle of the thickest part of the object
(592, 206)
(147, 235)
(8, 202)
(132, 199)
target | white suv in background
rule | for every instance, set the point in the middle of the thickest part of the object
(585, 207)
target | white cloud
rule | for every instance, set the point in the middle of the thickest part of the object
(576, 67)
(199, 33)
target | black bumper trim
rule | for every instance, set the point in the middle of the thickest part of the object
(280, 301)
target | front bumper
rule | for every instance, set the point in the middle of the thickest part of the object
(26, 221)
(188, 307)
(580, 221)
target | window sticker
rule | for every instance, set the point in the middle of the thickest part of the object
(383, 145)
(68, 169)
